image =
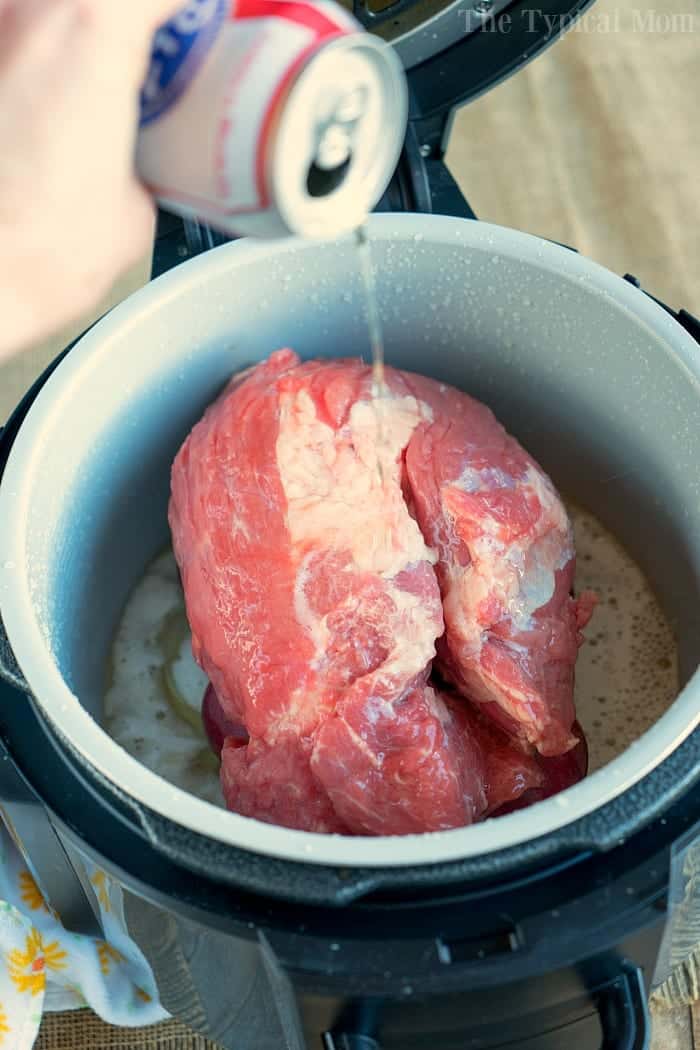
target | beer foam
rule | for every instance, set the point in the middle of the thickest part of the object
(627, 671)
(626, 674)
(137, 712)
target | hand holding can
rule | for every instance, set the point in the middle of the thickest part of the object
(263, 117)
(271, 117)
(73, 214)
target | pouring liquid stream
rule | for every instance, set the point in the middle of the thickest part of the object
(376, 339)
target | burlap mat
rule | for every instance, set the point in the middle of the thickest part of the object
(679, 959)
(81, 1030)
(596, 145)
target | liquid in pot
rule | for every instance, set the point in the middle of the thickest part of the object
(626, 674)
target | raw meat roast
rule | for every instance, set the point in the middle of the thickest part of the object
(380, 593)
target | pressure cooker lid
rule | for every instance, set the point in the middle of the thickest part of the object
(453, 50)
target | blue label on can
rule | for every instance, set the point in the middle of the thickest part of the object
(179, 48)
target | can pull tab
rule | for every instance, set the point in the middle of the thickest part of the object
(320, 181)
(335, 134)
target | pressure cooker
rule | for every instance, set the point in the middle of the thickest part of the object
(539, 929)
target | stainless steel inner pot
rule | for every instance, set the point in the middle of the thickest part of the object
(598, 382)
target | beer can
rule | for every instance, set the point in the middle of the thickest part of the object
(270, 117)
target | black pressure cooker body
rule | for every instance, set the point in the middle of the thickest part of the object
(554, 954)
(543, 945)
(546, 945)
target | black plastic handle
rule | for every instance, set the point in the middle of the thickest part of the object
(623, 1010)
(621, 1004)
(28, 823)
(346, 1041)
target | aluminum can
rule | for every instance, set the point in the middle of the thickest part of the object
(270, 117)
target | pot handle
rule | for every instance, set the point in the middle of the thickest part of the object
(28, 824)
(345, 1041)
(9, 668)
(624, 1014)
(621, 1004)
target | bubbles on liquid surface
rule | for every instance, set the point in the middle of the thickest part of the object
(626, 675)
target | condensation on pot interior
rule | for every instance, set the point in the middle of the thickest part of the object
(626, 675)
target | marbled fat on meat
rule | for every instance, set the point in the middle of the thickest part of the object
(505, 567)
(331, 552)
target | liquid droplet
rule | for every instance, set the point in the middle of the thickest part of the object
(379, 387)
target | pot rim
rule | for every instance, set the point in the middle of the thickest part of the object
(146, 788)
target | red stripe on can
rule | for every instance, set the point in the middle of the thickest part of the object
(324, 28)
(302, 14)
(271, 110)
(227, 128)
(203, 205)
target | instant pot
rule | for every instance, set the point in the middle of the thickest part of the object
(539, 930)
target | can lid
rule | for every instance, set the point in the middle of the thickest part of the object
(339, 136)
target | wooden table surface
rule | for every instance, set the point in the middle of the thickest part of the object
(676, 1029)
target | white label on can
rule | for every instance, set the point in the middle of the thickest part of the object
(179, 49)
(207, 151)
(269, 48)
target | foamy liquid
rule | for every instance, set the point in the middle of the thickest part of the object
(374, 323)
(626, 675)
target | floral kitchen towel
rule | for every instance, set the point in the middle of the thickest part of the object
(45, 967)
